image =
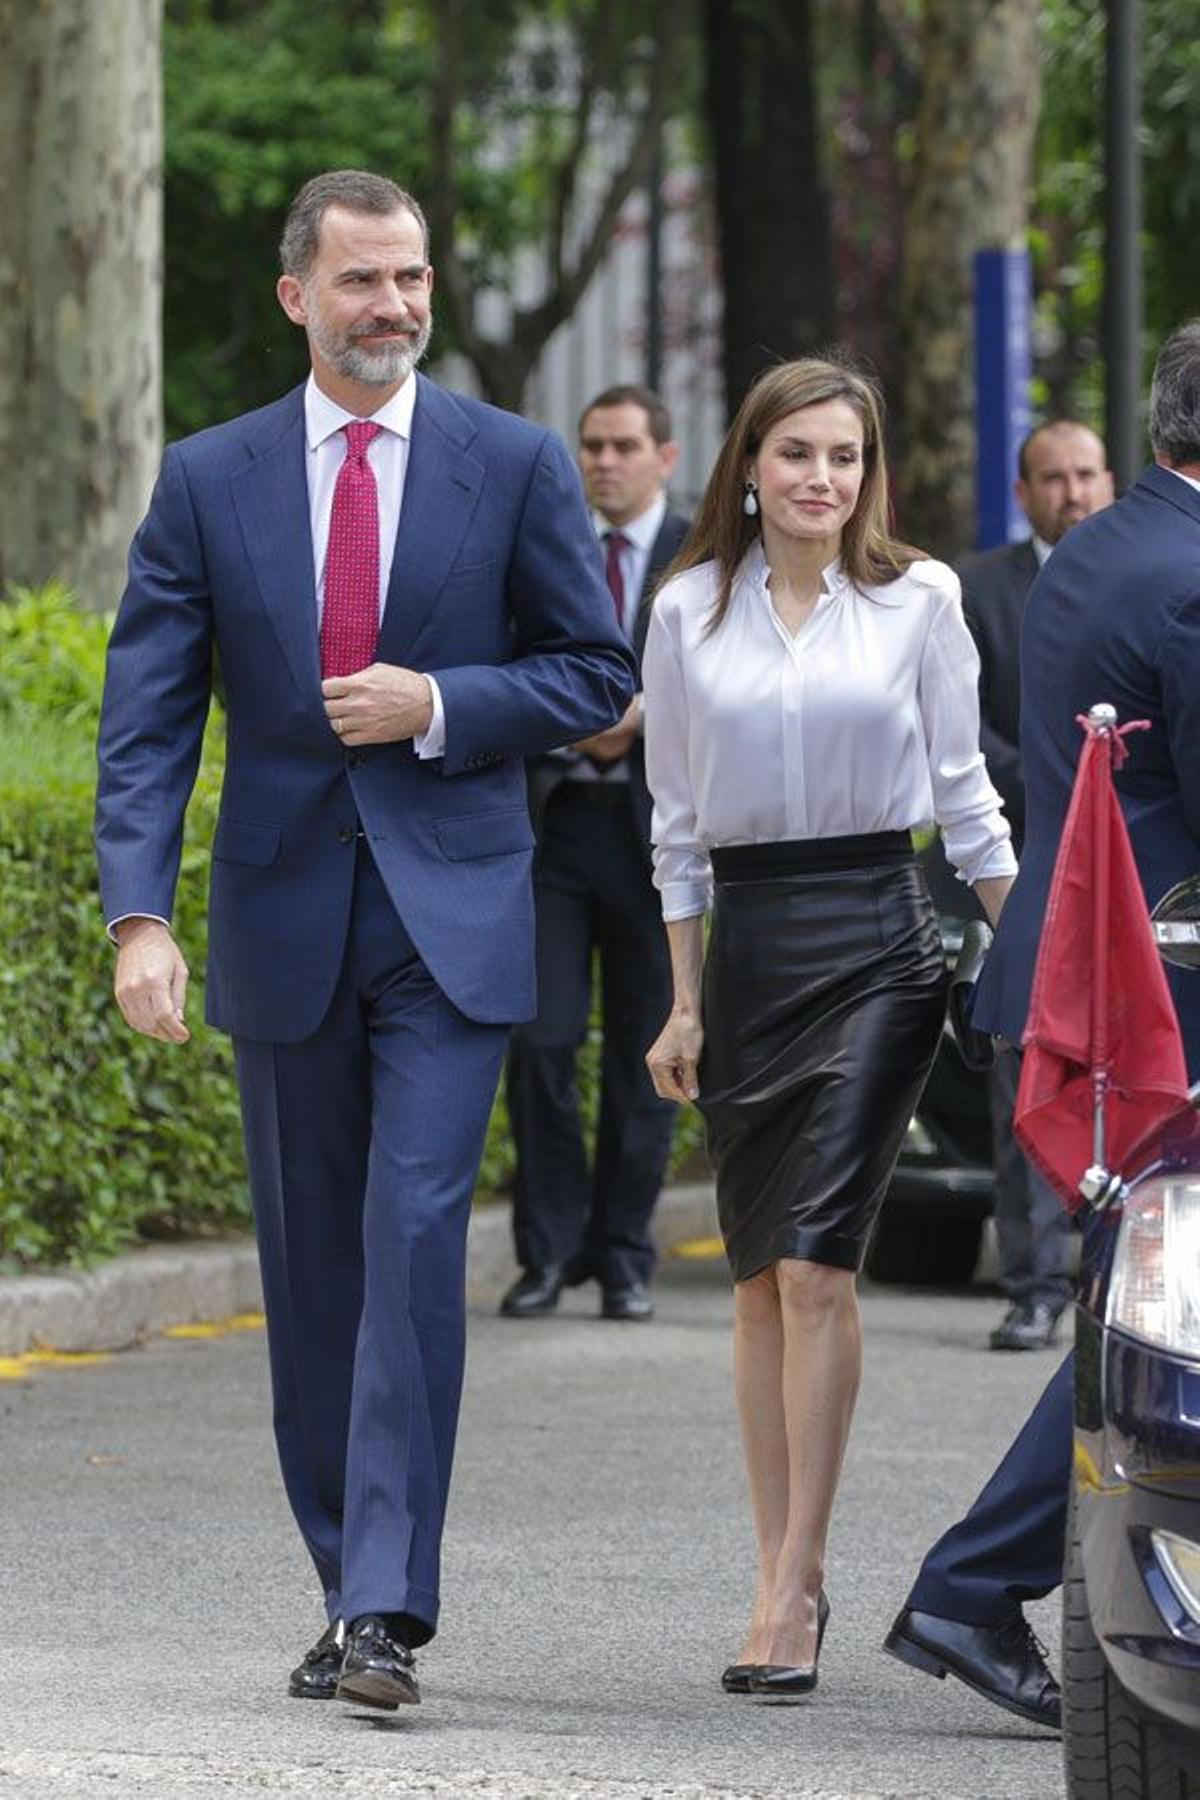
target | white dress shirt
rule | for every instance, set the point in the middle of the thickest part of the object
(866, 720)
(634, 556)
(324, 423)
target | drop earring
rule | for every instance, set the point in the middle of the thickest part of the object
(750, 500)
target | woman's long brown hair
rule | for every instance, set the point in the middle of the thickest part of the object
(721, 531)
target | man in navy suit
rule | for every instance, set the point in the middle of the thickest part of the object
(1062, 478)
(593, 893)
(1114, 616)
(405, 595)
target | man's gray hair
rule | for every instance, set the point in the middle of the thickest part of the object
(353, 189)
(1175, 397)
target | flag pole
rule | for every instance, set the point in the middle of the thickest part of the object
(1102, 720)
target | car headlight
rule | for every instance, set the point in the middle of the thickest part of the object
(1155, 1288)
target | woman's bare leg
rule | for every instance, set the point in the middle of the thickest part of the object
(822, 1364)
(758, 1349)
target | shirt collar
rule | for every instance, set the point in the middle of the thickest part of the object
(1041, 549)
(641, 531)
(323, 416)
(834, 579)
(1178, 473)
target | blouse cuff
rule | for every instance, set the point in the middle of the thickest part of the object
(995, 861)
(685, 899)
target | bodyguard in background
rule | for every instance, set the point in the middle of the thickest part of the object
(1062, 478)
(1115, 616)
(594, 894)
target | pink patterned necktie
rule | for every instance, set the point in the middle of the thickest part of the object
(350, 621)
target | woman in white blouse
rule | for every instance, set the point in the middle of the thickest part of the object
(810, 695)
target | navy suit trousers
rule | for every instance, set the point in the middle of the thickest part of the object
(1009, 1547)
(363, 1143)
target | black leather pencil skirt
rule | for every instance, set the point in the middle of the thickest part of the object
(824, 994)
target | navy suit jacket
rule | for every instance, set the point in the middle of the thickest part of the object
(496, 589)
(996, 585)
(545, 772)
(1114, 616)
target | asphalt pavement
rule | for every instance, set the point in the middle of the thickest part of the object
(598, 1567)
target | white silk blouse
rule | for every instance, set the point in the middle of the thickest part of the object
(866, 720)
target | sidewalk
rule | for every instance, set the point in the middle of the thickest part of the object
(144, 1292)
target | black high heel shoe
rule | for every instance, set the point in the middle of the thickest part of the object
(778, 1678)
(736, 1678)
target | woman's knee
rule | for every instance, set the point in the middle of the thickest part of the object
(756, 1300)
(813, 1290)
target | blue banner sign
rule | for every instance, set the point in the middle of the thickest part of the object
(1003, 366)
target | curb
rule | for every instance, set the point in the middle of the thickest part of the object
(145, 1292)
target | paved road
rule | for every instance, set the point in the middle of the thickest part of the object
(597, 1568)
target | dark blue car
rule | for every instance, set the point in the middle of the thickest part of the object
(1131, 1622)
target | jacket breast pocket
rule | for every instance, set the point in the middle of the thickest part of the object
(240, 841)
(501, 833)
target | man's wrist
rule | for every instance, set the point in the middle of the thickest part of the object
(123, 931)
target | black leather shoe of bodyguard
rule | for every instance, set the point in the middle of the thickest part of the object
(377, 1671)
(1004, 1663)
(778, 1678)
(316, 1678)
(533, 1293)
(630, 1302)
(1026, 1327)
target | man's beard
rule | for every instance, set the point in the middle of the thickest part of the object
(379, 367)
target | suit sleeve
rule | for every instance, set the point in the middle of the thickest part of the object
(158, 682)
(572, 672)
(1001, 754)
(1180, 675)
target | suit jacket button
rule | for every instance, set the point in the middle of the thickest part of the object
(347, 834)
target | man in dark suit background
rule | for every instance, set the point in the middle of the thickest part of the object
(593, 893)
(404, 590)
(1062, 479)
(1114, 616)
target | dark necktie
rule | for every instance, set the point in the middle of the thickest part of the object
(350, 621)
(614, 543)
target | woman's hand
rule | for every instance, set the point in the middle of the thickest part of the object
(673, 1056)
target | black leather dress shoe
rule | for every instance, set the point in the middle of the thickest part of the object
(1005, 1663)
(376, 1670)
(316, 1678)
(778, 1678)
(1026, 1326)
(629, 1302)
(534, 1292)
(736, 1678)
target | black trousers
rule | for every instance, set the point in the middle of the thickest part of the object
(1033, 1228)
(593, 894)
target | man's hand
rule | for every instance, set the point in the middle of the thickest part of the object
(610, 745)
(151, 980)
(379, 705)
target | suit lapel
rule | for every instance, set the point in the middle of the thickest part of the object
(671, 533)
(270, 498)
(441, 491)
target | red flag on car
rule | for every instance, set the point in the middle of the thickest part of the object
(1101, 1030)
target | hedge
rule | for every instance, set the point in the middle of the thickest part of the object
(105, 1136)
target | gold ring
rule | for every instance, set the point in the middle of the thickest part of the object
(339, 726)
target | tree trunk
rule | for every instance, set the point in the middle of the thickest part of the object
(772, 203)
(80, 286)
(971, 188)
